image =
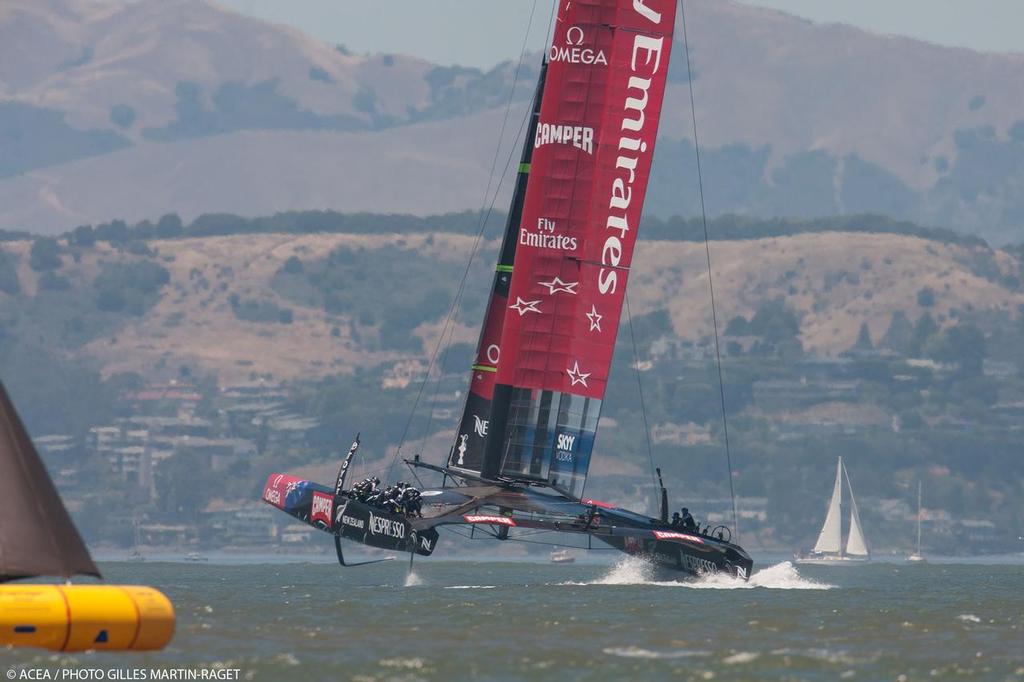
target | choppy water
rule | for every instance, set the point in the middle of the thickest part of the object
(523, 621)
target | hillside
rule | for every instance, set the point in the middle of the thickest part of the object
(185, 106)
(342, 313)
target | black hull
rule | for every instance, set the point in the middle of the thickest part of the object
(687, 558)
(375, 527)
(347, 518)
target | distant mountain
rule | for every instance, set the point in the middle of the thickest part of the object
(134, 109)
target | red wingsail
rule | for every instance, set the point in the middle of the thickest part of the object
(592, 152)
(591, 160)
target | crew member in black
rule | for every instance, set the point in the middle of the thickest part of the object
(677, 522)
(366, 488)
(688, 523)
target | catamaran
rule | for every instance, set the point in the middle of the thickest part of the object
(829, 548)
(523, 445)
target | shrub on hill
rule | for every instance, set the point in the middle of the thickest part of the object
(9, 273)
(45, 254)
(131, 288)
(265, 310)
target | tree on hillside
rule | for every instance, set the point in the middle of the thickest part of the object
(82, 236)
(8, 273)
(864, 338)
(926, 297)
(899, 335)
(963, 345)
(169, 226)
(738, 326)
(45, 254)
(114, 232)
(924, 329)
(129, 287)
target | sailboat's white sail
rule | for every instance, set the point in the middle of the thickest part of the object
(918, 518)
(831, 536)
(856, 545)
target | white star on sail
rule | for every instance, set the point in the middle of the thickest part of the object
(556, 285)
(595, 318)
(522, 307)
(576, 375)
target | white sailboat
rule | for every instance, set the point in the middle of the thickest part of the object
(829, 548)
(917, 557)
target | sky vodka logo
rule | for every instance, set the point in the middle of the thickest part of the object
(574, 52)
(566, 442)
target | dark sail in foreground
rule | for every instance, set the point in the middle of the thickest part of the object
(524, 442)
(37, 536)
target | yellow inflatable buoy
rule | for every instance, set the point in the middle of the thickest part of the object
(80, 617)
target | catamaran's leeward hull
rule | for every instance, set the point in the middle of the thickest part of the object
(694, 556)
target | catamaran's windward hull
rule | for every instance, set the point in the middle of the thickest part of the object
(340, 515)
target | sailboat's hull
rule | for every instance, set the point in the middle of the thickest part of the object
(831, 560)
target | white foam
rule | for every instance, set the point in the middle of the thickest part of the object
(741, 657)
(470, 587)
(636, 571)
(628, 571)
(968, 618)
(638, 652)
(781, 576)
(412, 579)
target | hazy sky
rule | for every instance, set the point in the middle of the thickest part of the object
(415, 27)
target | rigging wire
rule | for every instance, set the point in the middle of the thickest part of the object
(643, 409)
(458, 302)
(508, 163)
(711, 279)
(485, 212)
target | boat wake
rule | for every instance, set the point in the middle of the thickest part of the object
(412, 579)
(781, 576)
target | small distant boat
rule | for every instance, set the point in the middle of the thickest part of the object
(135, 556)
(916, 557)
(829, 549)
(562, 556)
(195, 557)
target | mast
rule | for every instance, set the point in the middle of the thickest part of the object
(592, 152)
(830, 538)
(467, 452)
(856, 544)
